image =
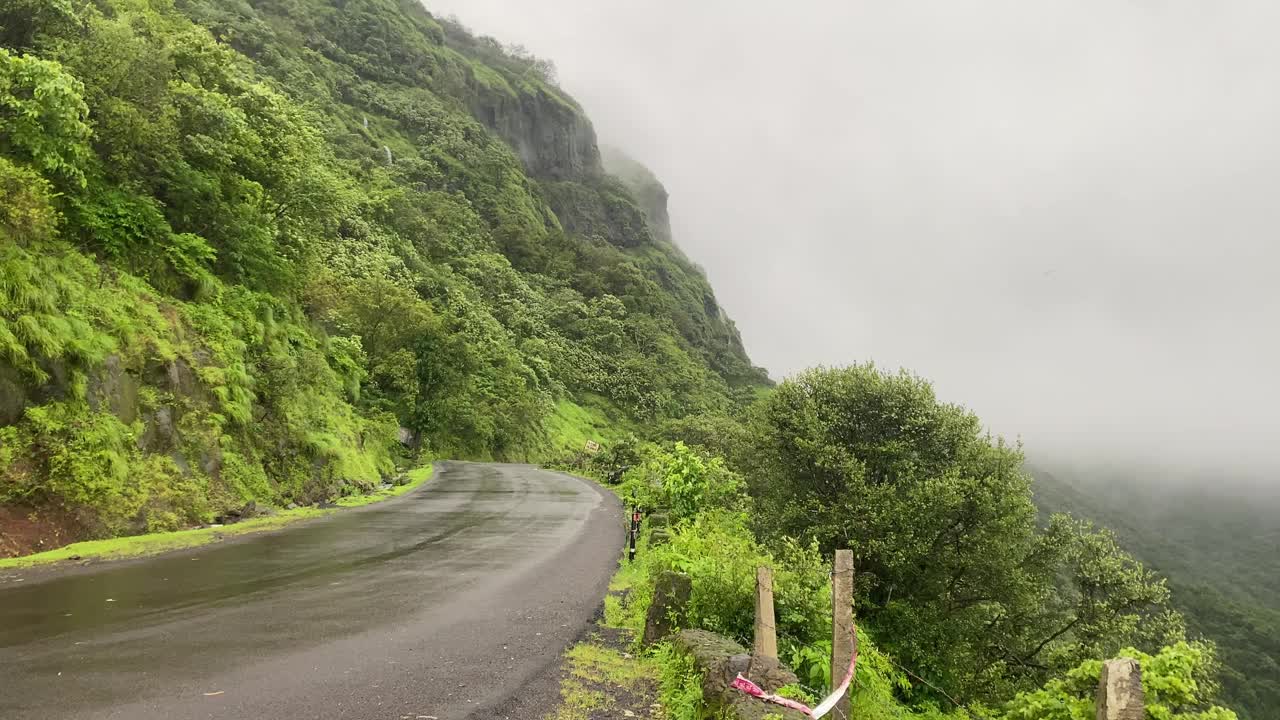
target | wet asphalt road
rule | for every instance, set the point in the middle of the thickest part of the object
(447, 603)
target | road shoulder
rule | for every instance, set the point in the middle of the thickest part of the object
(150, 545)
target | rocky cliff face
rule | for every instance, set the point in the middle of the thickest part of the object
(711, 327)
(644, 185)
(552, 137)
(607, 195)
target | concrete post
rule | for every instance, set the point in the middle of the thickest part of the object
(766, 636)
(1120, 695)
(842, 640)
(668, 609)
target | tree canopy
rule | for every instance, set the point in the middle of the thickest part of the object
(953, 570)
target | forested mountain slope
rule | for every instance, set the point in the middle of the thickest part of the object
(251, 250)
(1215, 542)
(245, 247)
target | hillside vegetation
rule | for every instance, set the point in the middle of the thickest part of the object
(261, 252)
(1216, 543)
(248, 247)
(970, 605)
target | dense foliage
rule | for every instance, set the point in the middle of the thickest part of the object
(719, 553)
(243, 243)
(1177, 684)
(712, 543)
(250, 250)
(953, 571)
(681, 481)
(1212, 541)
(969, 596)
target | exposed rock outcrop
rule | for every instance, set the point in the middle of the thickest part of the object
(670, 603)
(644, 185)
(719, 660)
(552, 137)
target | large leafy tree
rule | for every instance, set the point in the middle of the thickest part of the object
(952, 569)
(42, 116)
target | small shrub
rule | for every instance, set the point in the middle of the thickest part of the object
(683, 482)
(811, 662)
(798, 692)
(679, 685)
(1175, 681)
(87, 455)
(718, 552)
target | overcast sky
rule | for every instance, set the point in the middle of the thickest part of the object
(1065, 214)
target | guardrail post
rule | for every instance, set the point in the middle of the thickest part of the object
(634, 534)
(668, 611)
(766, 637)
(1120, 695)
(842, 640)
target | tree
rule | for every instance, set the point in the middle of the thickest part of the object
(683, 482)
(1101, 598)
(43, 117)
(717, 434)
(952, 570)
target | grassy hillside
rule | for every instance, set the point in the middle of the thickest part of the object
(1218, 548)
(249, 247)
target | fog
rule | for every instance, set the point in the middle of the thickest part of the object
(1062, 213)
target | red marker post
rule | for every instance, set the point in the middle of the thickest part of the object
(635, 531)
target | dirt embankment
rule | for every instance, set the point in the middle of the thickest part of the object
(25, 530)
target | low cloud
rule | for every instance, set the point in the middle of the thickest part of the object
(1063, 213)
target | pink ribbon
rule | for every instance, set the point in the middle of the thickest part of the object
(755, 690)
(823, 708)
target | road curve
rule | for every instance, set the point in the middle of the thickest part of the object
(443, 603)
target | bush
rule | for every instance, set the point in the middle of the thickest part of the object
(679, 685)
(717, 551)
(26, 213)
(683, 482)
(91, 459)
(1176, 682)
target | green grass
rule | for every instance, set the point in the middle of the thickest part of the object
(679, 684)
(571, 424)
(415, 477)
(577, 702)
(491, 78)
(600, 664)
(140, 545)
(618, 613)
(603, 678)
(627, 576)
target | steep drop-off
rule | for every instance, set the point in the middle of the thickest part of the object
(1215, 543)
(251, 249)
